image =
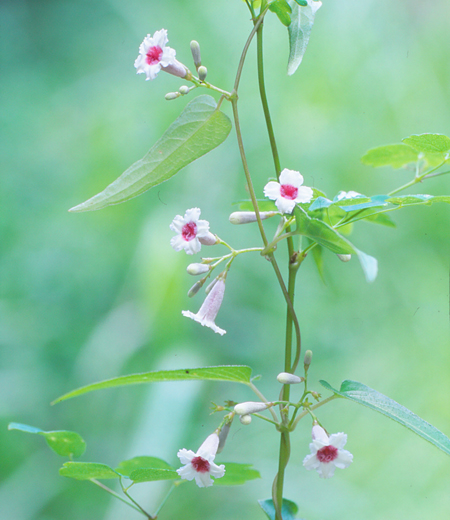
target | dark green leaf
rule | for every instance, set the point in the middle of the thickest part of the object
(302, 21)
(127, 467)
(199, 129)
(434, 143)
(87, 471)
(396, 155)
(236, 474)
(152, 474)
(232, 373)
(288, 510)
(366, 396)
(62, 442)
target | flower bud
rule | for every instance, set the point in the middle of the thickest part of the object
(211, 285)
(208, 240)
(202, 72)
(245, 419)
(223, 434)
(195, 269)
(289, 379)
(195, 49)
(307, 360)
(344, 258)
(245, 217)
(195, 288)
(251, 407)
(172, 95)
(183, 90)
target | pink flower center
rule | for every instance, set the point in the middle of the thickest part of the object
(200, 465)
(154, 55)
(288, 192)
(189, 231)
(327, 454)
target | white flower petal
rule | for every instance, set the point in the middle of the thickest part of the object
(338, 440)
(272, 190)
(203, 479)
(185, 456)
(305, 194)
(217, 471)
(192, 215)
(344, 459)
(291, 177)
(285, 205)
(187, 472)
(311, 462)
(326, 470)
(209, 447)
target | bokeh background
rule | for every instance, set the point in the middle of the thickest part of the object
(90, 296)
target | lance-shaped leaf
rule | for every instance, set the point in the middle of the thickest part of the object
(199, 129)
(328, 237)
(231, 373)
(434, 143)
(87, 471)
(302, 21)
(412, 200)
(127, 467)
(62, 442)
(236, 474)
(366, 396)
(289, 509)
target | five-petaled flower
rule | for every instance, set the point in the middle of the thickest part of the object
(289, 191)
(200, 466)
(210, 307)
(154, 56)
(191, 232)
(327, 453)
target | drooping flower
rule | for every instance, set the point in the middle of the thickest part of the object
(200, 466)
(154, 56)
(191, 232)
(327, 453)
(210, 307)
(289, 191)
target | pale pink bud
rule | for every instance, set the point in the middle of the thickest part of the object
(289, 379)
(251, 407)
(246, 217)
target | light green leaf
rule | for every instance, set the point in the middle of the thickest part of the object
(152, 474)
(302, 21)
(288, 510)
(379, 218)
(410, 200)
(434, 143)
(87, 471)
(127, 467)
(317, 253)
(200, 128)
(62, 442)
(231, 373)
(236, 474)
(396, 155)
(283, 10)
(366, 396)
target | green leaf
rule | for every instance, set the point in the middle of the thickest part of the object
(410, 200)
(283, 10)
(62, 442)
(152, 474)
(127, 467)
(231, 373)
(237, 474)
(434, 143)
(288, 510)
(328, 237)
(87, 471)
(379, 218)
(200, 128)
(302, 21)
(396, 155)
(366, 396)
(317, 253)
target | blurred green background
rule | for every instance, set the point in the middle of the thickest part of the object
(90, 296)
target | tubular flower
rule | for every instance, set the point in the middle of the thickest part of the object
(210, 307)
(289, 191)
(200, 465)
(327, 453)
(154, 56)
(191, 232)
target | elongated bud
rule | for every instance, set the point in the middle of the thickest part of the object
(195, 288)
(223, 434)
(195, 269)
(245, 217)
(202, 72)
(172, 95)
(251, 407)
(195, 49)
(245, 419)
(289, 379)
(344, 258)
(211, 285)
(307, 360)
(208, 240)
(183, 90)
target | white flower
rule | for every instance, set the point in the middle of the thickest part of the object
(289, 191)
(200, 465)
(208, 311)
(251, 407)
(154, 56)
(327, 453)
(344, 195)
(191, 232)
